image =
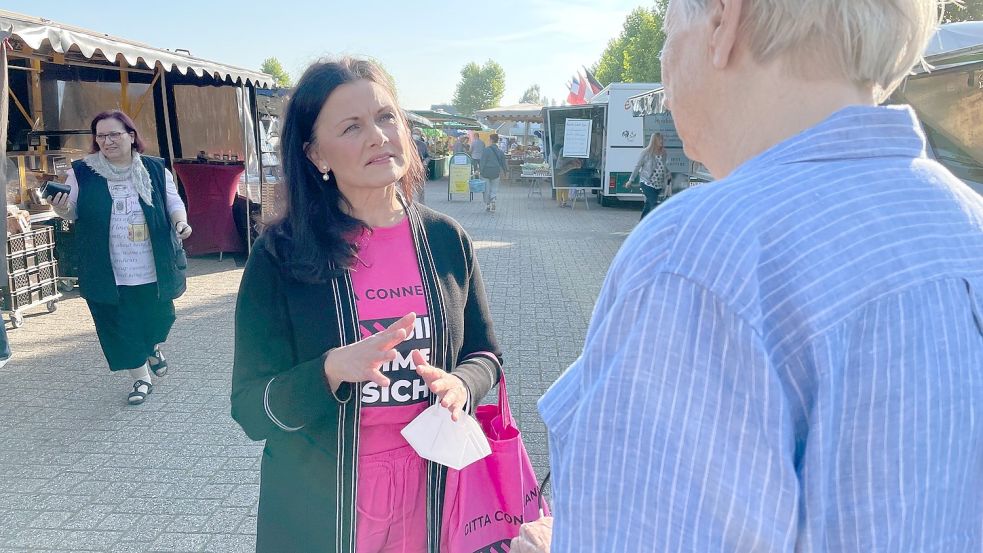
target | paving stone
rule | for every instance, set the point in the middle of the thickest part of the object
(87, 472)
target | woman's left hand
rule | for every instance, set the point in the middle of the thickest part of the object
(451, 391)
(183, 230)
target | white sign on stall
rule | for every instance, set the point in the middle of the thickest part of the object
(576, 138)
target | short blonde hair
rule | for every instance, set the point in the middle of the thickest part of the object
(871, 42)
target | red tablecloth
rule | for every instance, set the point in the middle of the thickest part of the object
(210, 189)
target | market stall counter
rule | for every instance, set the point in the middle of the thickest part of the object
(210, 188)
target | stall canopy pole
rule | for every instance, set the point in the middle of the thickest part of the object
(147, 94)
(124, 87)
(167, 116)
(245, 161)
(38, 116)
(257, 126)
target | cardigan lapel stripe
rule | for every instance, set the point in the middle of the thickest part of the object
(435, 305)
(348, 418)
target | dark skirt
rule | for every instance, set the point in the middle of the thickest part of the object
(129, 331)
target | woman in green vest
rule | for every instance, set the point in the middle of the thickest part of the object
(130, 221)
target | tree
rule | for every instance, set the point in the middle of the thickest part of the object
(272, 67)
(968, 11)
(532, 95)
(633, 57)
(480, 87)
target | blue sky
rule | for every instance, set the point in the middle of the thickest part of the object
(423, 43)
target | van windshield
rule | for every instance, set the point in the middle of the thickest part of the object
(950, 107)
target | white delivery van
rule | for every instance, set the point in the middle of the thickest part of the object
(614, 140)
(949, 99)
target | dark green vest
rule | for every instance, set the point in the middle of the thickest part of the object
(94, 211)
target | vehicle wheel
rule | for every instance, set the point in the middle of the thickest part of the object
(52, 306)
(16, 320)
(607, 201)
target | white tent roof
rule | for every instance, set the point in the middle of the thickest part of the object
(522, 113)
(37, 32)
(956, 38)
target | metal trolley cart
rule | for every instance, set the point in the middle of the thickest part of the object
(32, 273)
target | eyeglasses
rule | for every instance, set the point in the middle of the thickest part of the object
(111, 137)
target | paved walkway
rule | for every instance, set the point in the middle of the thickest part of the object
(82, 471)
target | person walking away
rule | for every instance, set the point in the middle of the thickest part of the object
(492, 164)
(651, 172)
(130, 221)
(477, 150)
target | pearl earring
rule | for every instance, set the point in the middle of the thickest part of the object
(324, 176)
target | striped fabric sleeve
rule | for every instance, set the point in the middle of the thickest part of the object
(673, 443)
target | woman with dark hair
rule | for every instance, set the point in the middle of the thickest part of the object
(358, 309)
(130, 221)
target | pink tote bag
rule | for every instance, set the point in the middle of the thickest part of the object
(487, 501)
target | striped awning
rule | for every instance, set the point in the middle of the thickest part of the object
(46, 36)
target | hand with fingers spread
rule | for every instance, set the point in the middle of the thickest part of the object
(451, 391)
(363, 360)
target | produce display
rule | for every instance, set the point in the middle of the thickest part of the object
(536, 169)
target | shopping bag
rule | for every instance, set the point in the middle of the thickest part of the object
(487, 501)
(477, 185)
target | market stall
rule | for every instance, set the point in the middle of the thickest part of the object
(441, 128)
(525, 152)
(56, 77)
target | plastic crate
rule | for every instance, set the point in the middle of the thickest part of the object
(31, 260)
(47, 272)
(45, 255)
(33, 278)
(43, 237)
(65, 248)
(19, 300)
(20, 243)
(35, 294)
(19, 282)
(48, 289)
(15, 263)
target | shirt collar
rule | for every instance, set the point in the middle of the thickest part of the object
(854, 132)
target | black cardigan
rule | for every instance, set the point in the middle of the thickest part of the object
(279, 393)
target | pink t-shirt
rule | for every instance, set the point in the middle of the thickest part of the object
(388, 285)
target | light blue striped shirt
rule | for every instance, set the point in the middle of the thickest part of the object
(789, 359)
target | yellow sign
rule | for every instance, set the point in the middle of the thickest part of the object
(460, 175)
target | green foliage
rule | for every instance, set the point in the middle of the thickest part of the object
(633, 57)
(971, 10)
(480, 87)
(271, 66)
(532, 95)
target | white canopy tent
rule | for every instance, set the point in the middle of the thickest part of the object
(526, 113)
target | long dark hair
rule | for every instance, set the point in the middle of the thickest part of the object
(127, 123)
(312, 236)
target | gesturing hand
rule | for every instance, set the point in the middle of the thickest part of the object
(451, 391)
(362, 361)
